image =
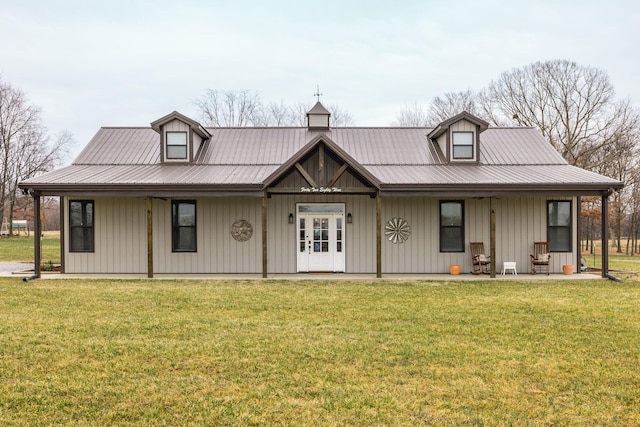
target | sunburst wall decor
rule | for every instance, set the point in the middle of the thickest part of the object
(397, 230)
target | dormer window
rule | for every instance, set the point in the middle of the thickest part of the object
(180, 138)
(462, 145)
(176, 145)
(458, 138)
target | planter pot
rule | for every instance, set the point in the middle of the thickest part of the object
(567, 269)
(454, 269)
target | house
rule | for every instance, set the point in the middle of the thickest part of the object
(176, 197)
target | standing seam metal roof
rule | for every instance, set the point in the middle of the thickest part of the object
(247, 156)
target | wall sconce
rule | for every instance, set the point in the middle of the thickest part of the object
(349, 218)
(290, 218)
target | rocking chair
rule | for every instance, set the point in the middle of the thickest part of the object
(481, 263)
(541, 258)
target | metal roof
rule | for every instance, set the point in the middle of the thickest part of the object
(129, 157)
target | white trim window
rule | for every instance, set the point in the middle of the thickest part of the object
(462, 143)
(176, 145)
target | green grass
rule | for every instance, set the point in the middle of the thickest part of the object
(20, 248)
(319, 353)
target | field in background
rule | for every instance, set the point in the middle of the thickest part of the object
(20, 248)
(79, 352)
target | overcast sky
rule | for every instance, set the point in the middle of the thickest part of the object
(89, 63)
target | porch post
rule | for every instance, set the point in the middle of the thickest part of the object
(378, 236)
(62, 234)
(578, 261)
(492, 237)
(264, 236)
(36, 234)
(605, 233)
(149, 237)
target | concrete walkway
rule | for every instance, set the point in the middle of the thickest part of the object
(8, 268)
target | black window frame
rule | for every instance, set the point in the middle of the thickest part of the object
(459, 246)
(185, 145)
(87, 226)
(454, 145)
(176, 228)
(553, 229)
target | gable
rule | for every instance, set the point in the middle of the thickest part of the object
(319, 167)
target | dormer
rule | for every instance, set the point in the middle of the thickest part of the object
(318, 118)
(459, 138)
(180, 137)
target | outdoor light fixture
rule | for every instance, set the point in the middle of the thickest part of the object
(349, 218)
(290, 218)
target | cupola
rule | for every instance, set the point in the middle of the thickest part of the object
(318, 117)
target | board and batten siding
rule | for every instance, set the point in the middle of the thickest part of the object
(218, 251)
(519, 222)
(360, 236)
(120, 237)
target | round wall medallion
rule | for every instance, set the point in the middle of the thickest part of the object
(397, 230)
(241, 230)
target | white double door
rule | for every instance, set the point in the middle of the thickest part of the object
(320, 232)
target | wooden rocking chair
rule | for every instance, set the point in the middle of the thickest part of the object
(541, 258)
(481, 263)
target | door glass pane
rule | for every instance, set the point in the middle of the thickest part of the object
(319, 208)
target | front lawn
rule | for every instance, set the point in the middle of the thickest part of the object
(78, 352)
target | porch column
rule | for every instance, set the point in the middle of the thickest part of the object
(605, 233)
(37, 231)
(264, 236)
(150, 237)
(378, 236)
(62, 234)
(492, 237)
(578, 241)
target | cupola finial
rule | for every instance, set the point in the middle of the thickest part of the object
(318, 94)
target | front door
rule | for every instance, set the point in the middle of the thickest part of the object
(320, 231)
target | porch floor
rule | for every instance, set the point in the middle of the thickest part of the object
(324, 276)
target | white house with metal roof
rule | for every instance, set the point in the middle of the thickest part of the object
(177, 197)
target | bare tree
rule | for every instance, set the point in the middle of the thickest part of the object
(25, 148)
(412, 116)
(240, 108)
(232, 108)
(451, 103)
(440, 109)
(571, 104)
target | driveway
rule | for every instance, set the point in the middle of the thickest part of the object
(7, 268)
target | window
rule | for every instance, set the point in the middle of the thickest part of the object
(183, 229)
(176, 145)
(463, 145)
(452, 226)
(559, 226)
(81, 228)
